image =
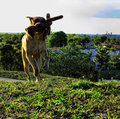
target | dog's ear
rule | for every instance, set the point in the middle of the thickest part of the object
(31, 30)
(31, 19)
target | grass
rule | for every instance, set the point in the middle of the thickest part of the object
(58, 98)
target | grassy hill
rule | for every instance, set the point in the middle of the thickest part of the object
(58, 98)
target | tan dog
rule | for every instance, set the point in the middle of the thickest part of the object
(34, 49)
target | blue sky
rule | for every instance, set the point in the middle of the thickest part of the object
(80, 16)
(109, 13)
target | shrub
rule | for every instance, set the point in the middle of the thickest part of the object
(10, 52)
(102, 58)
(115, 60)
(71, 62)
(57, 39)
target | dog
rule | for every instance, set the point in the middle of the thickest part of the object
(34, 48)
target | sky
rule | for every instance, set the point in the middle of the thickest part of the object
(80, 16)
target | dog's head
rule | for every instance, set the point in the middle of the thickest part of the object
(40, 28)
(34, 20)
(38, 24)
(35, 28)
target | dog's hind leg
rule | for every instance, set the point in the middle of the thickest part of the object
(46, 60)
(39, 64)
(25, 64)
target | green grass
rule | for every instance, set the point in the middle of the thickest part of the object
(58, 98)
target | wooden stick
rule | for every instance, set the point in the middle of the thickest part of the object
(55, 18)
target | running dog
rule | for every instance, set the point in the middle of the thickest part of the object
(34, 49)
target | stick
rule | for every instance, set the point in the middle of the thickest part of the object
(55, 18)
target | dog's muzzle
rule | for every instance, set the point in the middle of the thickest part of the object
(40, 27)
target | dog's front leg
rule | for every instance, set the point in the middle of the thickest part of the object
(25, 64)
(34, 67)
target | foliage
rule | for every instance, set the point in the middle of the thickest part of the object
(7, 54)
(70, 61)
(102, 57)
(103, 38)
(107, 39)
(73, 38)
(10, 51)
(57, 39)
(79, 40)
(110, 74)
(96, 41)
(114, 41)
(85, 39)
(10, 54)
(115, 61)
(60, 98)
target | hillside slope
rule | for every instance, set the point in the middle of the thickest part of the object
(59, 98)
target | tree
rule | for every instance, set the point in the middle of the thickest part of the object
(96, 41)
(7, 57)
(10, 51)
(82, 41)
(102, 58)
(57, 39)
(103, 38)
(73, 38)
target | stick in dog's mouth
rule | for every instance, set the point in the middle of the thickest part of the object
(55, 18)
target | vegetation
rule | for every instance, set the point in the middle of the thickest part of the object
(57, 39)
(70, 61)
(102, 58)
(10, 51)
(67, 60)
(79, 40)
(59, 97)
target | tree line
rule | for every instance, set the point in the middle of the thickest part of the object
(68, 59)
(10, 51)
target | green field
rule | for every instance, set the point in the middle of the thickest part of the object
(58, 98)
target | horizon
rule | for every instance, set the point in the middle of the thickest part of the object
(69, 33)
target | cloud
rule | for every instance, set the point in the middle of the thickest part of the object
(110, 13)
(85, 8)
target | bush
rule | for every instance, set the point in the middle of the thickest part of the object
(57, 39)
(115, 61)
(102, 58)
(71, 62)
(10, 52)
